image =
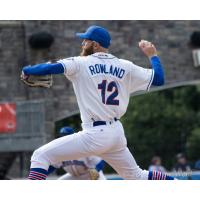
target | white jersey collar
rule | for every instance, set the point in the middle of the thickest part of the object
(103, 55)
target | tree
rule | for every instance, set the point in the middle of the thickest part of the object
(159, 123)
(193, 145)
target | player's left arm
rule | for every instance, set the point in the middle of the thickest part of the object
(69, 66)
(43, 69)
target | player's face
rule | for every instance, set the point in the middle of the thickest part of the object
(87, 47)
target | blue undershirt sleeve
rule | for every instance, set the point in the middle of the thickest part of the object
(158, 79)
(44, 69)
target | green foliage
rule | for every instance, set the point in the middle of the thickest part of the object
(160, 123)
(193, 145)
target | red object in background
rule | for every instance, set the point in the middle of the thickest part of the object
(7, 117)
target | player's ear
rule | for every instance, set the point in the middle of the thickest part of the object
(96, 45)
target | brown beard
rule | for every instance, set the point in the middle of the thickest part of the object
(87, 52)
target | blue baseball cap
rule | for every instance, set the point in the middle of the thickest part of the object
(97, 34)
(66, 131)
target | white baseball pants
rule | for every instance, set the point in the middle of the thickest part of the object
(106, 141)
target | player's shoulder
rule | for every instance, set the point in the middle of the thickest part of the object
(82, 60)
(125, 62)
(74, 58)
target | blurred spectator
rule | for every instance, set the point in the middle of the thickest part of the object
(182, 164)
(156, 164)
(197, 165)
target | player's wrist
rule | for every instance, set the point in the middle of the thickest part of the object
(154, 59)
(152, 56)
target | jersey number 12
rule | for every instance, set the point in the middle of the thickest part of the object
(109, 88)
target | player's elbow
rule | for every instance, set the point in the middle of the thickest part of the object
(158, 80)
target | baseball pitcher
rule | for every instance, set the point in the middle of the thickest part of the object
(102, 84)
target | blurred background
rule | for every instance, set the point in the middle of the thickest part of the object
(162, 126)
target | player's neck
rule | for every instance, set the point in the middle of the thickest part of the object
(101, 50)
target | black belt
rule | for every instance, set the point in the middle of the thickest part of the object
(99, 123)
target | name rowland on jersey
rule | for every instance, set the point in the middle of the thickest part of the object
(103, 69)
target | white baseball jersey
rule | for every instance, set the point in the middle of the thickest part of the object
(103, 84)
(79, 167)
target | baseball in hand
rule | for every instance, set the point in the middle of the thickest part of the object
(148, 48)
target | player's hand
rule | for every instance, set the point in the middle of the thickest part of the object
(148, 48)
(23, 76)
